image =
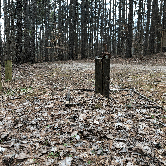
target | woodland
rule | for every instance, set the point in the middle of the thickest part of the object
(48, 30)
(50, 113)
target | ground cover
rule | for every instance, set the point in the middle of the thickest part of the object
(37, 127)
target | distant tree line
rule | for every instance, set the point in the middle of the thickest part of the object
(44, 30)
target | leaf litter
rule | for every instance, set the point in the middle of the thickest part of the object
(50, 115)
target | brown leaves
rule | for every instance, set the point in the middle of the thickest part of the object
(37, 127)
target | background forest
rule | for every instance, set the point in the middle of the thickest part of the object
(44, 30)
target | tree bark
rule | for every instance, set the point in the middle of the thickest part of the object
(145, 49)
(130, 31)
(19, 58)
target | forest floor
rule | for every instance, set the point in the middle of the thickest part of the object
(39, 127)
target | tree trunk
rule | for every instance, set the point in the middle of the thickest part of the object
(154, 26)
(119, 50)
(1, 53)
(164, 15)
(83, 29)
(19, 58)
(130, 31)
(145, 49)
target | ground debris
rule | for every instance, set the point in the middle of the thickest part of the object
(37, 126)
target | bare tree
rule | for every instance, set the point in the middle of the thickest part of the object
(84, 29)
(19, 32)
(147, 28)
(0, 39)
(130, 31)
(72, 29)
(155, 22)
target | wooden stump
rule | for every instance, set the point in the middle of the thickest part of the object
(102, 75)
(106, 77)
(8, 70)
(98, 76)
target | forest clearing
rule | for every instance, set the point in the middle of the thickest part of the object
(39, 127)
(50, 111)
